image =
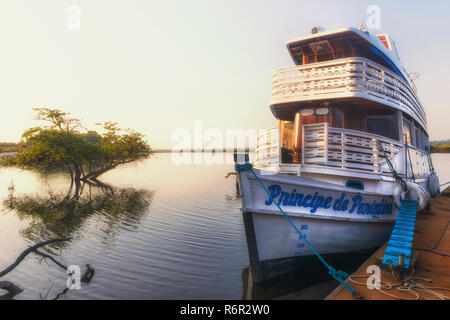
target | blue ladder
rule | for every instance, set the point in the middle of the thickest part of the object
(402, 235)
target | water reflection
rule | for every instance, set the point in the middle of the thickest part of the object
(301, 281)
(59, 215)
(189, 245)
(297, 284)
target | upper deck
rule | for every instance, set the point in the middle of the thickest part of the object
(345, 105)
(345, 65)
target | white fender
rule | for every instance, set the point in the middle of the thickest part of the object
(416, 192)
(434, 188)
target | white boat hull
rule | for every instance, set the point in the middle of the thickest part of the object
(334, 219)
(276, 239)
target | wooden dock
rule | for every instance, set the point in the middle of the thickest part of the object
(431, 276)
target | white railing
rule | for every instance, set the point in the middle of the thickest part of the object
(344, 148)
(349, 77)
(325, 146)
(315, 146)
(268, 147)
(420, 162)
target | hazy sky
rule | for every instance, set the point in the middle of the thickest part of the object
(160, 65)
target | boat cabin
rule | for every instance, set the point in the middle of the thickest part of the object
(342, 45)
(343, 98)
(376, 120)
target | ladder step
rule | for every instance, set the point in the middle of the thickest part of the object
(405, 225)
(402, 233)
(404, 228)
(405, 220)
(403, 215)
(402, 236)
(400, 244)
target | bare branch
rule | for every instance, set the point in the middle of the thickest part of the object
(47, 256)
(11, 288)
(27, 252)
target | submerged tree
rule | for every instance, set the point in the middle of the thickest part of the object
(62, 214)
(66, 146)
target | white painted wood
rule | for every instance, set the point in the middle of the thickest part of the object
(349, 77)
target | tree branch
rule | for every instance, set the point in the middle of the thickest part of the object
(44, 255)
(12, 289)
(27, 252)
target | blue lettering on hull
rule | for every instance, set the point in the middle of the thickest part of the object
(315, 201)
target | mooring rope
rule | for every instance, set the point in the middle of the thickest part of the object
(409, 285)
(336, 274)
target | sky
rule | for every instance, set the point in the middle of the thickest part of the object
(158, 66)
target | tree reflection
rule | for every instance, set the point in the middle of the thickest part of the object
(64, 214)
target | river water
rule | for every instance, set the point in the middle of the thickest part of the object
(154, 230)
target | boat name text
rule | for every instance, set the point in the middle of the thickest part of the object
(354, 204)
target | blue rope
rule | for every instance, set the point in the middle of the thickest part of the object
(336, 274)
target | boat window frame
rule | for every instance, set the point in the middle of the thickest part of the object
(407, 124)
(392, 134)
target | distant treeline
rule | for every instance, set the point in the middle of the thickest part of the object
(443, 148)
(8, 147)
(440, 142)
(202, 150)
(13, 147)
(436, 147)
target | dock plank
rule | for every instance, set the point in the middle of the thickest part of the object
(431, 240)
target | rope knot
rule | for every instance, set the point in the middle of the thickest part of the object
(331, 271)
(337, 273)
(243, 167)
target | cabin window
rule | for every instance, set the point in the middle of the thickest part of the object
(383, 123)
(307, 112)
(407, 131)
(379, 125)
(287, 141)
(376, 120)
(338, 48)
(426, 142)
(322, 50)
(421, 139)
(419, 142)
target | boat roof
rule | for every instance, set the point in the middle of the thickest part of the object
(388, 50)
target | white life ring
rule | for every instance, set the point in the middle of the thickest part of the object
(416, 192)
(434, 188)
